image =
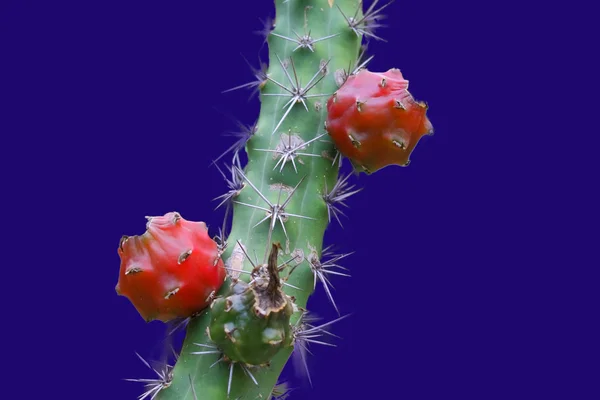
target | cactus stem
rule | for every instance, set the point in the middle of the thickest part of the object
(367, 24)
(288, 152)
(300, 76)
(338, 194)
(297, 93)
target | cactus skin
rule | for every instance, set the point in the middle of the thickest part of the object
(171, 270)
(251, 326)
(374, 120)
(304, 236)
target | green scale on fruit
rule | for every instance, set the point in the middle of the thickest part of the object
(253, 323)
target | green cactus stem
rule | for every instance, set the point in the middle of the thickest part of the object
(286, 186)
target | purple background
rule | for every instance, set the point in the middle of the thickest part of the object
(470, 279)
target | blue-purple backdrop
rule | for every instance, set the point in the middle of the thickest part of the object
(460, 290)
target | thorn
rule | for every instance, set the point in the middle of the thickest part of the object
(235, 185)
(320, 271)
(247, 371)
(230, 378)
(243, 135)
(296, 92)
(192, 387)
(274, 213)
(358, 65)
(281, 391)
(338, 195)
(304, 41)
(366, 25)
(155, 385)
(260, 79)
(304, 333)
(268, 26)
(288, 152)
(246, 254)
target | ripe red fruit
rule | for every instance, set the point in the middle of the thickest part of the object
(171, 270)
(374, 121)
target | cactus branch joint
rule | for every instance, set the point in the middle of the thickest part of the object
(242, 295)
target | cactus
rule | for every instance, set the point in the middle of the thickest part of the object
(282, 201)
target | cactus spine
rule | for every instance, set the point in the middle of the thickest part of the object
(284, 185)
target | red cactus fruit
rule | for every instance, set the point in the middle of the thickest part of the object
(171, 270)
(374, 121)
